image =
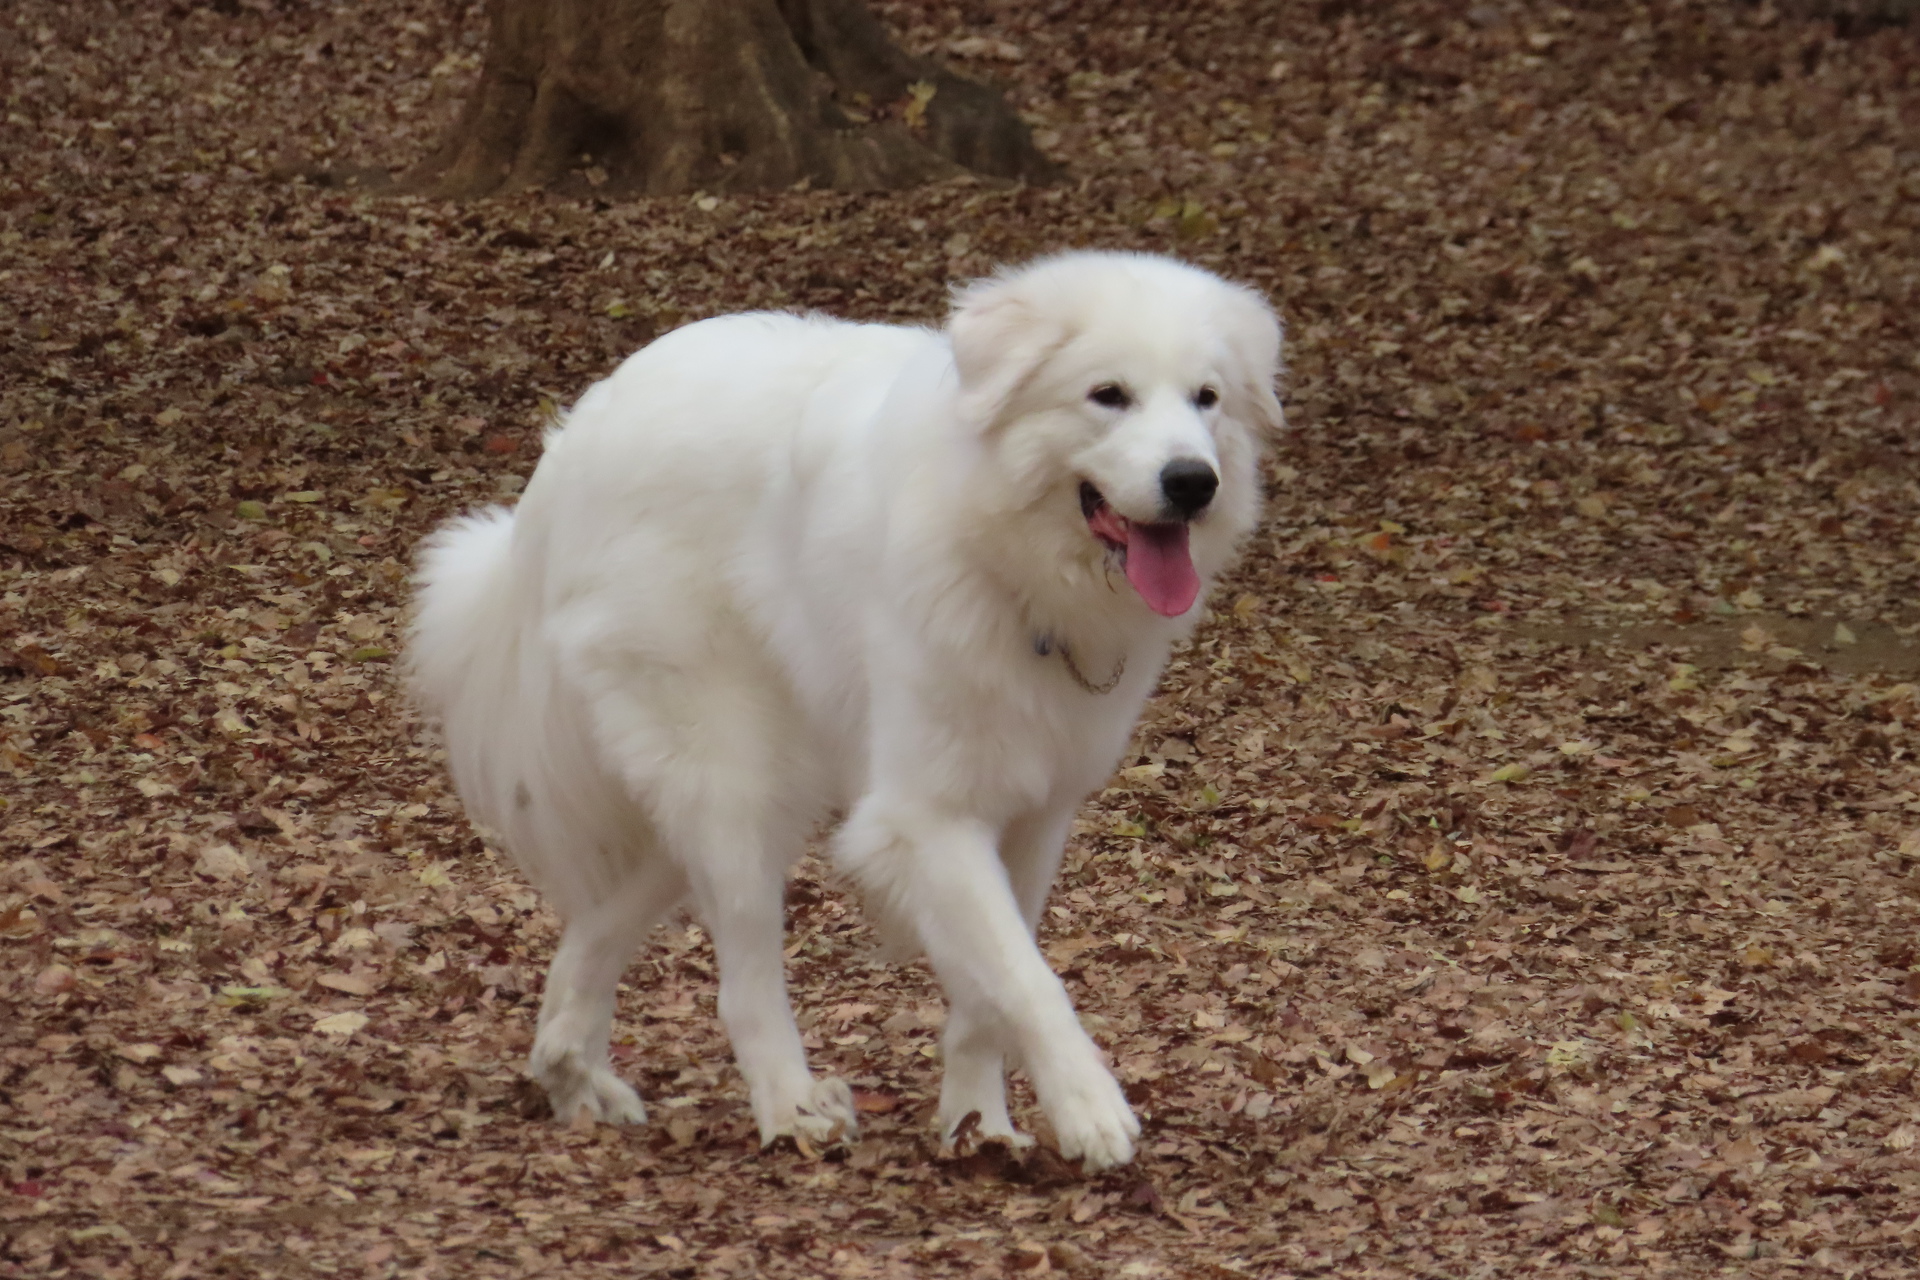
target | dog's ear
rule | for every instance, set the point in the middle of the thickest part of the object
(1252, 334)
(1000, 338)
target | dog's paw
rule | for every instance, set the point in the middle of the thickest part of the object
(601, 1095)
(824, 1115)
(1094, 1124)
(575, 1088)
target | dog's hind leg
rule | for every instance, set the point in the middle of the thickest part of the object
(570, 1057)
(705, 748)
(738, 889)
(975, 1041)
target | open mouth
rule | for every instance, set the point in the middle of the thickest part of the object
(1154, 554)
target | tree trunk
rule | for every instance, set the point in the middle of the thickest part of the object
(655, 97)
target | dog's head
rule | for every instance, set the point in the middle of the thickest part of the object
(1123, 399)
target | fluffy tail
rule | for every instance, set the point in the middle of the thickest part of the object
(464, 612)
(520, 752)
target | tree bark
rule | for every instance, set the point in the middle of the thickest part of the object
(657, 97)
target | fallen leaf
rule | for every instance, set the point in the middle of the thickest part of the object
(223, 862)
(1329, 1199)
(920, 95)
(53, 980)
(340, 1025)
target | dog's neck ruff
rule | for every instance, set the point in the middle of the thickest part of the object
(1044, 644)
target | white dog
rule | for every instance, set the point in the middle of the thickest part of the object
(778, 567)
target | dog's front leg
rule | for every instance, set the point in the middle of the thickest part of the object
(941, 878)
(975, 1043)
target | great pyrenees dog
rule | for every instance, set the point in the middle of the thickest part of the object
(778, 569)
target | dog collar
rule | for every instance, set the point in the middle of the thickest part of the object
(1044, 644)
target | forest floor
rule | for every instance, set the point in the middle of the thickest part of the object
(1518, 875)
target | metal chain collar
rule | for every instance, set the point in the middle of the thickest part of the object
(1046, 644)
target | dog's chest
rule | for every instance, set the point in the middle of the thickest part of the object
(1002, 738)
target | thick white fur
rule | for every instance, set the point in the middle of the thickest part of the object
(776, 567)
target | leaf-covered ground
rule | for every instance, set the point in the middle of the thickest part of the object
(1517, 876)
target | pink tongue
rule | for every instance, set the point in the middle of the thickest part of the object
(1160, 569)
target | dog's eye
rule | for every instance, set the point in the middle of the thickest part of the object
(1110, 394)
(1206, 397)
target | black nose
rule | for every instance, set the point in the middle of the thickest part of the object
(1188, 484)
